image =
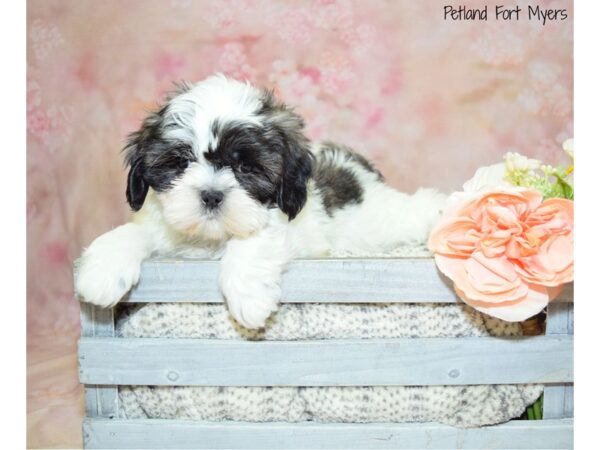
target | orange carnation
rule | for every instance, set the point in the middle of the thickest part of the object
(507, 251)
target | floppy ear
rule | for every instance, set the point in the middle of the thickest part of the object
(297, 165)
(138, 144)
(137, 188)
(297, 169)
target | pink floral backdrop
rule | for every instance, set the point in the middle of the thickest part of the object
(427, 100)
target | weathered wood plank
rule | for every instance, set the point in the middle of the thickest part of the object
(559, 318)
(424, 361)
(399, 280)
(558, 401)
(558, 398)
(100, 401)
(569, 395)
(165, 434)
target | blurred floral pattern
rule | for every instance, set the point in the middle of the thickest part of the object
(427, 100)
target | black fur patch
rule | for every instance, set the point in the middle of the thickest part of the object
(154, 161)
(331, 148)
(253, 154)
(298, 160)
(338, 185)
(166, 161)
(272, 162)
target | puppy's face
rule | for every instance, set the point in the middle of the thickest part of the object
(219, 155)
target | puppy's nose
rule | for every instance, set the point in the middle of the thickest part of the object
(212, 199)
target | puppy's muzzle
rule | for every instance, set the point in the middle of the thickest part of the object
(211, 199)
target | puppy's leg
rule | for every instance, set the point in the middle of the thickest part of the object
(413, 216)
(110, 266)
(387, 218)
(251, 273)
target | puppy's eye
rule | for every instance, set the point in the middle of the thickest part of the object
(183, 163)
(244, 168)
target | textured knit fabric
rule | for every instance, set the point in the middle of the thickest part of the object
(465, 406)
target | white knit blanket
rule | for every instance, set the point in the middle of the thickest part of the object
(464, 406)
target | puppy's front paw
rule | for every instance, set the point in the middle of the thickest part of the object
(251, 300)
(105, 275)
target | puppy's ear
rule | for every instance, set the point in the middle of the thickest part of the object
(137, 146)
(297, 169)
(137, 188)
(297, 164)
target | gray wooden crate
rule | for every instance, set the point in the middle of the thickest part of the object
(106, 362)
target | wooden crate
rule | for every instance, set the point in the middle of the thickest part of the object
(107, 361)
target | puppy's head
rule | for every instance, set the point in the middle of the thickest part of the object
(219, 154)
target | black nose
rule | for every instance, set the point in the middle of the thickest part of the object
(212, 199)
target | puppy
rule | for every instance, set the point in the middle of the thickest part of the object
(223, 170)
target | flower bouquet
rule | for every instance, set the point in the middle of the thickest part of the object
(506, 240)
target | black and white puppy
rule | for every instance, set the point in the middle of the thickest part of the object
(223, 170)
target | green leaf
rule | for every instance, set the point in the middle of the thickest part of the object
(567, 189)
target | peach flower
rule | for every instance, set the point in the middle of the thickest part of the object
(507, 251)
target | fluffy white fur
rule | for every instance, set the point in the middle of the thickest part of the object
(254, 241)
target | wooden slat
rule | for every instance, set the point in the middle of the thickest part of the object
(165, 434)
(558, 398)
(559, 318)
(100, 401)
(398, 280)
(558, 401)
(423, 361)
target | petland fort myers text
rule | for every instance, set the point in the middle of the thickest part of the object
(505, 13)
